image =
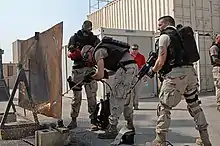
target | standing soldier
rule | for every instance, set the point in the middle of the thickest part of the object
(77, 41)
(114, 56)
(215, 61)
(140, 59)
(179, 78)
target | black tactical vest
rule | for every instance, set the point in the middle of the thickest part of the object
(175, 51)
(212, 61)
(82, 40)
(115, 54)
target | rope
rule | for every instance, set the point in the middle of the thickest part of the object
(104, 82)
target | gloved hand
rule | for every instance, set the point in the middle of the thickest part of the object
(105, 74)
(150, 73)
(71, 83)
(88, 75)
(74, 54)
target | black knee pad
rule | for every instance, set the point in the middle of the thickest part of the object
(194, 108)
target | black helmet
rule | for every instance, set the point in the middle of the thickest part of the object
(87, 25)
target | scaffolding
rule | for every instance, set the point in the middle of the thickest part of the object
(95, 5)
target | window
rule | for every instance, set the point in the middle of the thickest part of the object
(10, 70)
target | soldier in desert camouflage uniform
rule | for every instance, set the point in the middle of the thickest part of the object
(215, 61)
(179, 78)
(118, 59)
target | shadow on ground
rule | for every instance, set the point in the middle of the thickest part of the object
(149, 135)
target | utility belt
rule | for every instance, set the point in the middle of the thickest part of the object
(78, 66)
(124, 63)
(166, 71)
(183, 65)
(216, 65)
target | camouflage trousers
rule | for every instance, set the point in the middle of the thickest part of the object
(121, 101)
(137, 91)
(179, 82)
(216, 77)
(91, 93)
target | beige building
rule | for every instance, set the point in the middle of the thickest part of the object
(10, 73)
(202, 15)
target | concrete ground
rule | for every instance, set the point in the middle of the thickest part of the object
(182, 128)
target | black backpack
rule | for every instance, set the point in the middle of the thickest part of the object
(189, 42)
(102, 112)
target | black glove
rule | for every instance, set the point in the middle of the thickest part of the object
(71, 83)
(88, 76)
(105, 74)
(150, 73)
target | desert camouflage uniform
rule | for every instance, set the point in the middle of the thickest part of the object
(90, 89)
(180, 81)
(120, 101)
(137, 93)
(91, 93)
(214, 50)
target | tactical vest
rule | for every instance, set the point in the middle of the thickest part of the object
(175, 51)
(212, 61)
(81, 41)
(115, 54)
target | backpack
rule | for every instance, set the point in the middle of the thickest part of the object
(102, 112)
(189, 43)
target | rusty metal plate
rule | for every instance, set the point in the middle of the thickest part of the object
(42, 59)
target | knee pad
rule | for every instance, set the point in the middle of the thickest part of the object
(193, 103)
(194, 108)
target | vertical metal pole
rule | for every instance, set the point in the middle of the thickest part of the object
(29, 74)
(1, 66)
(89, 6)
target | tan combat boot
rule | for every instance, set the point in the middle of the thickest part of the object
(203, 140)
(72, 124)
(110, 133)
(160, 140)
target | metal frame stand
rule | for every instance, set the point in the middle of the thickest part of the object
(21, 78)
(13, 131)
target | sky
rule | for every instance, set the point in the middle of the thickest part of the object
(21, 18)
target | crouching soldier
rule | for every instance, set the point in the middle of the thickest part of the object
(114, 56)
